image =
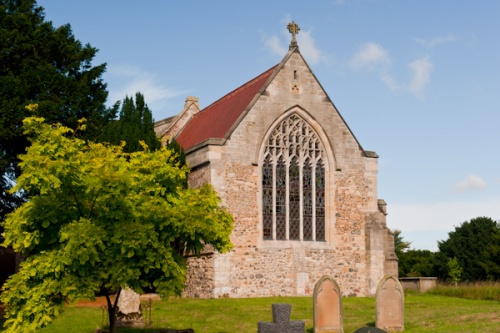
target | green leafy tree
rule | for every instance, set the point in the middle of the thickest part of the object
(476, 245)
(99, 220)
(400, 245)
(413, 263)
(48, 66)
(135, 124)
(454, 269)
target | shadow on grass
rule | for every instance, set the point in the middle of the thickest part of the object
(152, 330)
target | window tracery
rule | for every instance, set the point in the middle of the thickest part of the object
(293, 183)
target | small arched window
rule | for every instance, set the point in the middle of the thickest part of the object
(293, 183)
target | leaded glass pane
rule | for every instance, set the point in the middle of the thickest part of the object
(307, 196)
(294, 188)
(320, 201)
(267, 199)
(281, 199)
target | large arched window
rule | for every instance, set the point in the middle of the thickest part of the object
(293, 183)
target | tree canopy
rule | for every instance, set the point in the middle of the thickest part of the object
(414, 263)
(471, 253)
(48, 66)
(135, 123)
(100, 219)
(476, 246)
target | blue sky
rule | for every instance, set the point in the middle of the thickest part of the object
(418, 82)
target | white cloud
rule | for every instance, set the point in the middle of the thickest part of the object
(421, 71)
(436, 41)
(308, 48)
(471, 183)
(439, 216)
(274, 44)
(373, 57)
(306, 42)
(127, 80)
(425, 224)
(370, 56)
(390, 81)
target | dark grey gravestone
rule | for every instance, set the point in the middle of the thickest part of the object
(369, 329)
(281, 321)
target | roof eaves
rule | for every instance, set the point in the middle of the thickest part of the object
(207, 142)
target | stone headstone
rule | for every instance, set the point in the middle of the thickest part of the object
(390, 305)
(281, 321)
(327, 306)
(129, 312)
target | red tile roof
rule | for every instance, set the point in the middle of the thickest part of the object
(215, 121)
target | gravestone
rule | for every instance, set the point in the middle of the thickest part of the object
(129, 312)
(281, 321)
(327, 306)
(390, 305)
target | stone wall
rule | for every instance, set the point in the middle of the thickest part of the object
(200, 277)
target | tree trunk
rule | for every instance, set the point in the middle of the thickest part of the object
(112, 310)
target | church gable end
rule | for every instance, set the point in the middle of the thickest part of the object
(302, 190)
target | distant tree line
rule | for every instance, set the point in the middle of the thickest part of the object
(471, 253)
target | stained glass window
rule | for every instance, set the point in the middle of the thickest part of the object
(293, 183)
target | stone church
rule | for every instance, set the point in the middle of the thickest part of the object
(302, 190)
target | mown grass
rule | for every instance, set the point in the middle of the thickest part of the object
(424, 313)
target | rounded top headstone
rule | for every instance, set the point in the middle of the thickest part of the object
(369, 329)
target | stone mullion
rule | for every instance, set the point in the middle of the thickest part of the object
(301, 186)
(301, 195)
(287, 196)
(275, 159)
(313, 196)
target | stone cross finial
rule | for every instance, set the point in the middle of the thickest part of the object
(294, 30)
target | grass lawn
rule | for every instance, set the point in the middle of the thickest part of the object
(424, 313)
